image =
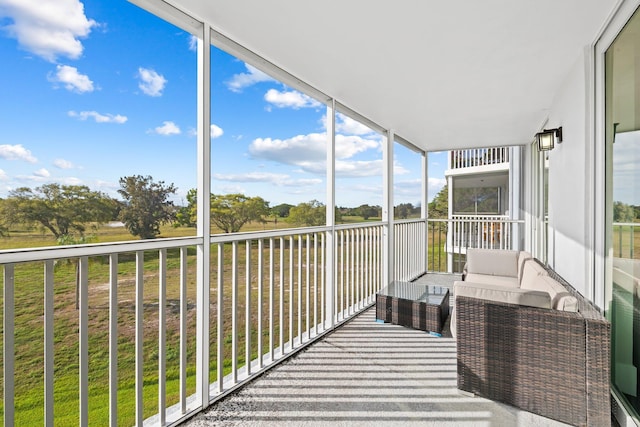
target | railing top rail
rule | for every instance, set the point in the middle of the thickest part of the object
(456, 216)
(627, 224)
(484, 220)
(409, 221)
(372, 224)
(265, 234)
(93, 249)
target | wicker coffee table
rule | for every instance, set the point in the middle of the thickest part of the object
(417, 306)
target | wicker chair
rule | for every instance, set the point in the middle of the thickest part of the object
(549, 362)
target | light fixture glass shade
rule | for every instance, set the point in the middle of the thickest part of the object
(546, 140)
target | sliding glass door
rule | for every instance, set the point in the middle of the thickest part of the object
(622, 139)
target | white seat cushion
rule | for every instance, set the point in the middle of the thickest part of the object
(511, 282)
(528, 297)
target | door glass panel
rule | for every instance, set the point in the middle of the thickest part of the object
(622, 109)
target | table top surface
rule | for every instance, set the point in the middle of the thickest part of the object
(429, 294)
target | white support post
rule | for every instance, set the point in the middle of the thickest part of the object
(331, 220)
(450, 229)
(203, 218)
(387, 210)
(424, 211)
(515, 179)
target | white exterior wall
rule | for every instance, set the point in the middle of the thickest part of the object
(570, 182)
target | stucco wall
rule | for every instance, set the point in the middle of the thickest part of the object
(570, 175)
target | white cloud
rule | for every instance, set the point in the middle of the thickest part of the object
(311, 148)
(47, 28)
(62, 164)
(99, 118)
(168, 128)
(71, 180)
(290, 99)
(193, 43)
(435, 185)
(349, 126)
(242, 80)
(16, 152)
(267, 177)
(151, 83)
(216, 131)
(43, 173)
(3, 175)
(71, 79)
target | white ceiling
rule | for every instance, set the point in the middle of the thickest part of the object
(441, 74)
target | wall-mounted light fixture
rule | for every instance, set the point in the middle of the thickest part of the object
(548, 137)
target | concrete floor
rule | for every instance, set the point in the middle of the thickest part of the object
(365, 373)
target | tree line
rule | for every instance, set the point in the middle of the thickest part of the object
(68, 211)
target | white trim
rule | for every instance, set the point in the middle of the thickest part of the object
(171, 14)
(388, 267)
(602, 196)
(203, 218)
(330, 257)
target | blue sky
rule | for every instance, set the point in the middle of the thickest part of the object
(96, 90)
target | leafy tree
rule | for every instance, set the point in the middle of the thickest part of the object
(281, 210)
(228, 212)
(62, 209)
(146, 205)
(623, 212)
(312, 213)
(439, 206)
(367, 211)
(403, 210)
(231, 211)
(186, 215)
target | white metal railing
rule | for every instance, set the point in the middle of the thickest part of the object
(270, 297)
(448, 239)
(410, 256)
(478, 157)
(624, 235)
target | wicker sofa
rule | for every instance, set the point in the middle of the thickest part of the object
(545, 354)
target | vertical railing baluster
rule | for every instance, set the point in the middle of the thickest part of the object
(315, 283)
(271, 296)
(139, 343)
(220, 320)
(260, 300)
(336, 285)
(342, 274)
(299, 288)
(349, 275)
(247, 309)
(234, 312)
(183, 330)
(322, 282)
(8, 347)
(113, 340)
(291, 280)
(356, 233)
(308, 287)
(281, 320)
(83, 265)
(162, 331)
(48, 343)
